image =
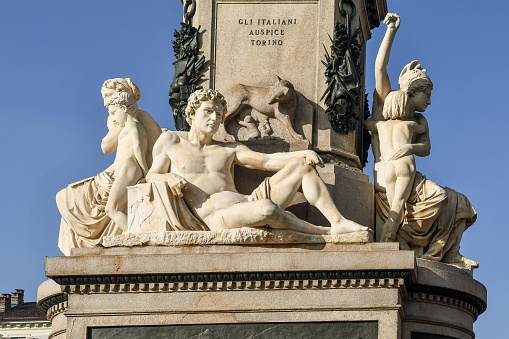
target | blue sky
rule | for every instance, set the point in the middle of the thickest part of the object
(55, 54)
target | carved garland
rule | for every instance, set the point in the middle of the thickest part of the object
(343, 72)
(187, 67)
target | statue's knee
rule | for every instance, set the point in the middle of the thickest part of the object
(109, 209)
(268, 208)
(301, 165)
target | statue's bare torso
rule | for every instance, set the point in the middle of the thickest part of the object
(208, 170)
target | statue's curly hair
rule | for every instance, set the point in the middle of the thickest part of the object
(123, 85)
(126, 101)
(195, 100)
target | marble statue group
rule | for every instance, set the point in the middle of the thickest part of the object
(191, 173)
(418, 213)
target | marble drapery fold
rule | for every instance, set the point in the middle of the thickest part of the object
(82, 206)
(173, 209)
(432, 216)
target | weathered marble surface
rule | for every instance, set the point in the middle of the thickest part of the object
(240, 236)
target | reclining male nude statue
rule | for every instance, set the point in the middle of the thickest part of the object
(199, 171)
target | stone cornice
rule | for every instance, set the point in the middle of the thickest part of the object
(25, 324)
(264, 281)
(57, 309)
(471, 303)
(52, 301)
(233, 277)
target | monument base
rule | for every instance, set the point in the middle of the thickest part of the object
(314, 290)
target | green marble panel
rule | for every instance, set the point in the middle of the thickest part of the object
(308, 330)
(416, 335)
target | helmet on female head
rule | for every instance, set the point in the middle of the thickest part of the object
(414, 78)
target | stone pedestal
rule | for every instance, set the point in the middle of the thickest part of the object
(295, 290)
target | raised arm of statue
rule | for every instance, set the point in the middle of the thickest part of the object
(383, 84)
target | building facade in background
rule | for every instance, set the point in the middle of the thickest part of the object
(20, 319)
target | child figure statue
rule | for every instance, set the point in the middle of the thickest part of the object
(400, 172)
(128, 137)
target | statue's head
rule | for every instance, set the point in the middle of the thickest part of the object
(200, 96)
(120, 105)
(116, 85)
(395, 105)
(417, 85)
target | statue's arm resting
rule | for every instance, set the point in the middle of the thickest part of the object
(161, 165)
(422, 147)
(109, 143)
(273, 162)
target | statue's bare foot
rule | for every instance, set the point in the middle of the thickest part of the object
(347, 226)
(457, 258)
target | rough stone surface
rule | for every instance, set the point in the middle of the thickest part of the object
(230, 258)
(240, 236)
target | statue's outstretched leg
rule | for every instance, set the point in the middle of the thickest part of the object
(285, 183)
(260, 213)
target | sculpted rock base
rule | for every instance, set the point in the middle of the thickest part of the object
(239, 236)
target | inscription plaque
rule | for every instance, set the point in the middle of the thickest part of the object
(254, 42)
